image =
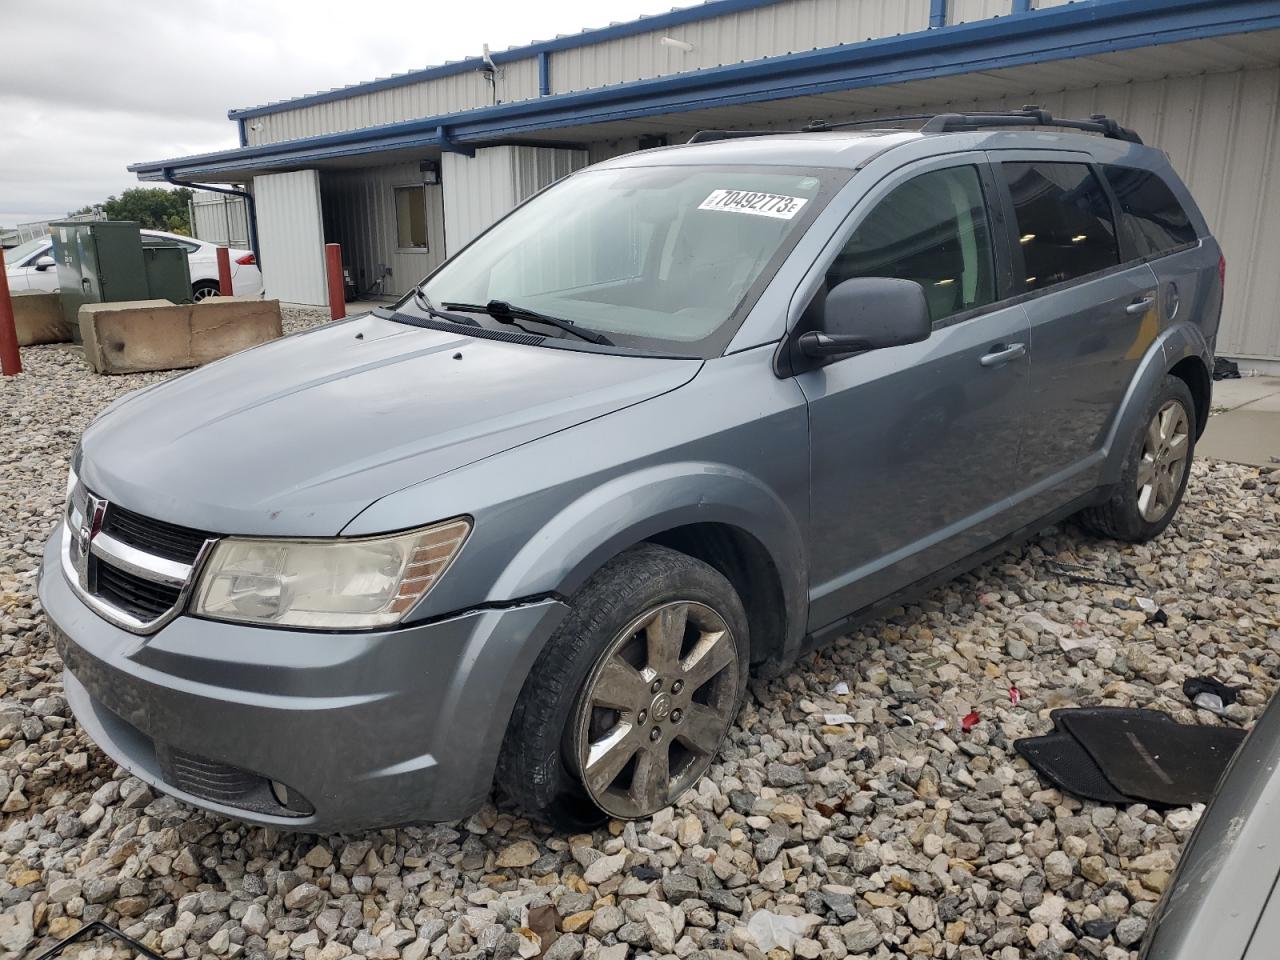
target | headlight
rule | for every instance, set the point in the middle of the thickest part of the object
(337, 584)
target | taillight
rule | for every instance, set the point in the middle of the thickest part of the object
(1222, 269)
(248, 260)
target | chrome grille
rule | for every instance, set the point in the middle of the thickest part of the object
(139, 597)
(134, 571)
(155, 536)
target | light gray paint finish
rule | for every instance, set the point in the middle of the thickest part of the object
(291, 236)
(966, 11)
(767, 31)
(360, 214)
(563, 455)
(1225, 881)
(479, 190)
(442, 95)
(220, 219)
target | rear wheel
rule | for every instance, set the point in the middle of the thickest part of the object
(1155, 471)
(204, 290)
(628, 705)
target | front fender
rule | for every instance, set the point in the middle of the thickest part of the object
(1172, 346)
(608, 519)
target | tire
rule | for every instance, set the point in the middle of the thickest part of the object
(560, 726)
(205, 289)
(1137, 512)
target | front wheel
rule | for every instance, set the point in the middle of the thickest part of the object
(631, 699)
(1155, 471)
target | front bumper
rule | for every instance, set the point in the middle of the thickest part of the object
(371, 729)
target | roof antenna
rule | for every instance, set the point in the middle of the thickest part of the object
(490, 71)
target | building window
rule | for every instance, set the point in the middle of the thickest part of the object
(411, 218)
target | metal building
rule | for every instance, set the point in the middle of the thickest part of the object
(405, 170)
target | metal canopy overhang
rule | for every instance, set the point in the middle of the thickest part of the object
(993, 48)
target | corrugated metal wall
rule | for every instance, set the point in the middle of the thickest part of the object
(749, 35)
(480, 189)
(291, 237)
(360, 214)
(785, 27)
(966, 11)
(220, 219)
(461, 91)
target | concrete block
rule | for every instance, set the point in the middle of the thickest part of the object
(38, 317)
(141, 335)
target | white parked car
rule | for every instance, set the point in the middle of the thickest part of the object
(30, 266)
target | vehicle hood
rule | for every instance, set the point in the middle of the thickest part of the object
(296, 437)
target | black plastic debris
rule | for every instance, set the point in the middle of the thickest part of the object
(1078, 573)
(97, 926)
(1121, 755)
(1210, 694)
(1224, 369)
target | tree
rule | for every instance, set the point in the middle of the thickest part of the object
(154, 208)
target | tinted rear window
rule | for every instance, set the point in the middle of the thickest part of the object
(1064, 221)
(1152, 215)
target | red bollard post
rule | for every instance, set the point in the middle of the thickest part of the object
(10, 358)
(337, 291)
(224, 272)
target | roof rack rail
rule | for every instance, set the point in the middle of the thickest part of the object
(709, 136)
(1029, 116)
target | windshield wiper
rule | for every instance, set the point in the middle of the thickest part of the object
(504, 312)
(424, 303)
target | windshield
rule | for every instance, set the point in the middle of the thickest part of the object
(23, 250)
(666, 257)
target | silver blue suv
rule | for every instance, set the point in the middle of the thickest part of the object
(685, 414)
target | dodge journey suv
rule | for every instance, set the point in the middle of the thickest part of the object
(685, 414)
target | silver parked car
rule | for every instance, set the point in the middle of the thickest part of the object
(687, 413)
(1222, 901)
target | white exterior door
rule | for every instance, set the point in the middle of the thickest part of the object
(291, 236)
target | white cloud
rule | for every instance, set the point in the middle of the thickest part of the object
(91, 87)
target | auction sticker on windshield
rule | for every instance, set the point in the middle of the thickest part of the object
(775, 205)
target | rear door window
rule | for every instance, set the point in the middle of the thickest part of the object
(931, 229)
(1064, 222)
(1154, 219)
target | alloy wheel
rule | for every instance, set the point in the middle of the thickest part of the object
(204, 293)
(1164, 461)
(656, 708)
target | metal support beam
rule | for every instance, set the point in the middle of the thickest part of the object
(1021, 6)
(544, 74)
(448, 146)
(937, 13)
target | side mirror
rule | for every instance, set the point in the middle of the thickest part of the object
(45, 263)
(868, 313)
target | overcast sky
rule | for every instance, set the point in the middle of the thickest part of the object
(89, 86)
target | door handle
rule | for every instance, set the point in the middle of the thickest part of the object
(1139, 306)
(1002, 354)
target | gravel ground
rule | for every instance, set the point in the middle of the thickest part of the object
(850, 815)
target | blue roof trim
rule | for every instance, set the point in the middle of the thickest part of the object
(1081, 29)
(659, 21)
